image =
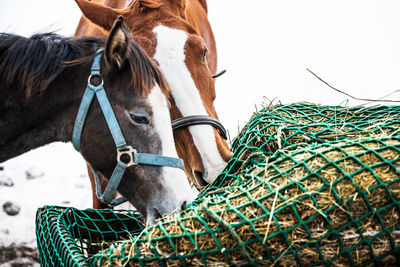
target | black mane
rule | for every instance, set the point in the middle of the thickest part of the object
(32, 63)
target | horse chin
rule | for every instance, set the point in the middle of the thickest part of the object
(152, 211)
(152, 216)
(169, 206)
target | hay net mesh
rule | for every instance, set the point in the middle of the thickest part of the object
(308, 185)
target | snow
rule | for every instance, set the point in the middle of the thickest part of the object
(60, 178)
(265, 46)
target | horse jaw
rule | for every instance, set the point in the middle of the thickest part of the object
(177, 188)
(170, 55)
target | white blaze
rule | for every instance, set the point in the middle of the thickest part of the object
(170, 55)
(177, 185)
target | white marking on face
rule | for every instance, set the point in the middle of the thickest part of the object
(170, 55)
(162, 121)
(177, 185)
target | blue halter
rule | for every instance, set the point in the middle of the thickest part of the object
(122, 147)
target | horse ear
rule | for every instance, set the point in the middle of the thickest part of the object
(99, 14)
(117, 43)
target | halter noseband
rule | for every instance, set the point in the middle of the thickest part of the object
(122, 148)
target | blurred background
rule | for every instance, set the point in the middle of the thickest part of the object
(266, 47)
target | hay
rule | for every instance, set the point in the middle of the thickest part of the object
(298, 125)
(336, 203)
(308, 185)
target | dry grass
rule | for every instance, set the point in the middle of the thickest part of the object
(290, 127)
(301, 208)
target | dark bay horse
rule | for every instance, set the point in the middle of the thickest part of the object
(178, 36)
(42, 92)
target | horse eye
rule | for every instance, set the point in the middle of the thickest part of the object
(139, 119)
(204, 54)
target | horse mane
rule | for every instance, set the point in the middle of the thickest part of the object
(144, 71)
(204, 4)
(33, 63)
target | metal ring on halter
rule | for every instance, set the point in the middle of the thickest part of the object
(130, 152)
(91, 76)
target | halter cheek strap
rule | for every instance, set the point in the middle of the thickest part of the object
(122, 148)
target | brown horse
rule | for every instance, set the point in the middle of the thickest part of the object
(42, 90)
(178, 36)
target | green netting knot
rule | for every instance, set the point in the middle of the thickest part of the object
(228, 228)
(248, 160)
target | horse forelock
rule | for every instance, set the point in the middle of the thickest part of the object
(33, 63)
(144, 71)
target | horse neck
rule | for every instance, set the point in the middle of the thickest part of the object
(26, 124)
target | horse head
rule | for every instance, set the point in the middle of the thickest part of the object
(176, 34)
(138, 94)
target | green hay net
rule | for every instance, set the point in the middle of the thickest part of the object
(308, 185)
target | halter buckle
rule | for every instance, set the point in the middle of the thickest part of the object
(128, 150)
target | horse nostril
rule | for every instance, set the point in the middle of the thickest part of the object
(184, 205)
(157, 214)
(200, 179)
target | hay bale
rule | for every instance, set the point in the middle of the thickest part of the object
(307, 185)
(335, 203)
(292, 126)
